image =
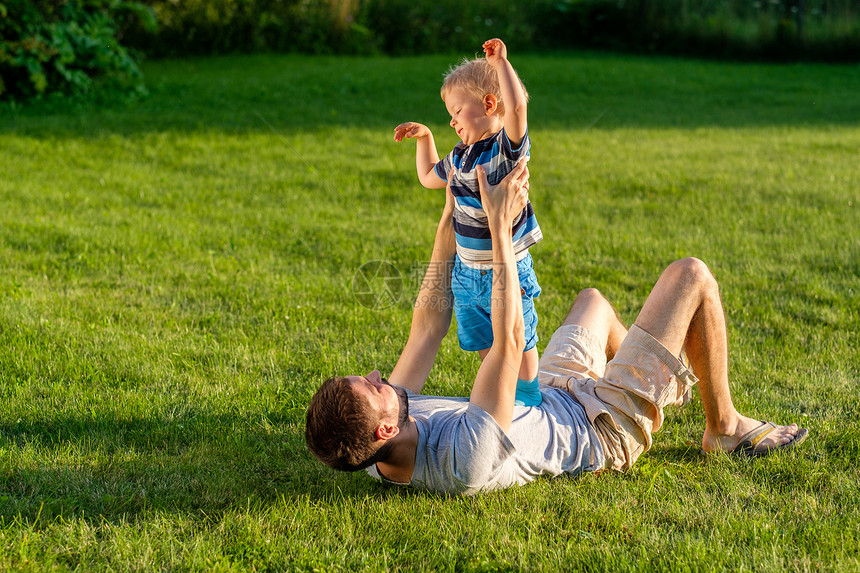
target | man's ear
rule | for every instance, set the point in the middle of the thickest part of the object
(385, 431)
(491, 104)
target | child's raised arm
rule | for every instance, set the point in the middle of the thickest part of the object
(426, 156)
(516, 104)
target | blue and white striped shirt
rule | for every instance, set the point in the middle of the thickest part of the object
(474, 244)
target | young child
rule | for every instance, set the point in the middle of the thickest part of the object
(487, 103)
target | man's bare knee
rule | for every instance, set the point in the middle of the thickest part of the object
(692, 274)
(591, 294)
(593, 299)
(594, 310)
(591, 310)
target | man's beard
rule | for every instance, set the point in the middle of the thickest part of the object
(403, 420)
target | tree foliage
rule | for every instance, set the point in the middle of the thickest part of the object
(201, 27)
(67, 46)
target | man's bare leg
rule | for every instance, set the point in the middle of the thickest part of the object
(592, 311)
(684, 310)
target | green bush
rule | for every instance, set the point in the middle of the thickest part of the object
(739, 29)
(66, 46)
(201, 27)
(410, 27)
(772, 29)
(397, 27)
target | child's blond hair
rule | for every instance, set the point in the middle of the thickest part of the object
(476, 77)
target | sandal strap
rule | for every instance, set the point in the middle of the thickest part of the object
(752, 438)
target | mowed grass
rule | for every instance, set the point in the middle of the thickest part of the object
(178, 277)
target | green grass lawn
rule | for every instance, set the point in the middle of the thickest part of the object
(177, 279)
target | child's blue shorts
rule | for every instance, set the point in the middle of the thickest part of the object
(472, 294)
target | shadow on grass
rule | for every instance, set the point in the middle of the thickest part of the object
(112, 469)
(677, 454)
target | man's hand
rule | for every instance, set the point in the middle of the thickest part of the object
(410, 129)
(503, 202)
(495, 51)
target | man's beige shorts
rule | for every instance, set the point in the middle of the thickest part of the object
(624, 399)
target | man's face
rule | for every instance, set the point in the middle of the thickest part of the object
(468, 116)
(387, 400)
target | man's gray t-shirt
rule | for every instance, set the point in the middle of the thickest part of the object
(462, 450)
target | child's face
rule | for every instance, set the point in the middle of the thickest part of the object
(470, 117)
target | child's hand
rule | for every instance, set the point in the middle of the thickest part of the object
(410, 129)
(496, 51)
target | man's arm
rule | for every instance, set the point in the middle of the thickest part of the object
(496, 382)
(431, 317)
(513, 96)
(426, 156)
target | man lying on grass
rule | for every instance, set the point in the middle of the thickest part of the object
(604, 388)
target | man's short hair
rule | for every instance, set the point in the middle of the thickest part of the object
(340, 427)
(478, 78)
